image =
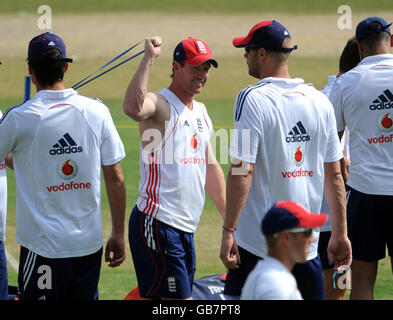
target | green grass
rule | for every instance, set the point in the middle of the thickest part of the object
(223, 85)
(205, 6)
(218, 95)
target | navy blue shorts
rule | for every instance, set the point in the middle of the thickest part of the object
(164, 257)
(308, 276)
(237, 277)
(370, 224)
(324, 237)
(309, 279)
(41, 278)
(3, 273)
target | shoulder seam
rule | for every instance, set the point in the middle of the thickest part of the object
(8, 110)
(242, 97)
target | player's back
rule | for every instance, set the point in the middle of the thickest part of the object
(59, 140)
(292, 133)
(363, 100)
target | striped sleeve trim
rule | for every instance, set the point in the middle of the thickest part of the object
(242, 97)
(7, 112)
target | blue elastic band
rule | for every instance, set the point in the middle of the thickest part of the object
(83, 81)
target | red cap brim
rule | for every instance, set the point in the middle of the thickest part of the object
(313, 220)
(306, 218)
(240, 42)
(196, 61)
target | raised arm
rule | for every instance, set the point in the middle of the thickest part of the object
(138, 103)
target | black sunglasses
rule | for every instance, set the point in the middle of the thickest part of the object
(307, 231)
(249, 48)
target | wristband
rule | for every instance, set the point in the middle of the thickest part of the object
(229, 229)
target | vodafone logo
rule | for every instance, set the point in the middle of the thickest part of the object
(195, 143)
(67, 169)
(297, 173)
(385, 122)
(297, 156)
(69, 186)
(381, 139)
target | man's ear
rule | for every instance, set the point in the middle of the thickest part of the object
(30, 69)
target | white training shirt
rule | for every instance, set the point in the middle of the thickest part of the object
(270, 280)
(3, 199)
(363, 101)
(173, 174)
(59, 141)
(326, 89)
(291, 133)
(345, 148)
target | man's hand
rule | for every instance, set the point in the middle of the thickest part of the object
(339, 251)
(229, 253)
(115, 251)
(153, 47)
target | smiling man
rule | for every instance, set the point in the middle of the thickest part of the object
(176, 165)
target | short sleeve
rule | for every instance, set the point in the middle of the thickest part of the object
(112, 148)
(336, 98)
(8, 134)
(247, 132)
(334, 150)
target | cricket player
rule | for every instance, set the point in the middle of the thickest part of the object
(363, 100)
(60, 141)
(287, 227)
(286, 148)
(177, 164)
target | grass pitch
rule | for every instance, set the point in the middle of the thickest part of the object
(100, 30)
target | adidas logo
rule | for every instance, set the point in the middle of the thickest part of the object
(51, 43)
(186, 124)
(384, 101)
(297, 134)
(65, 145)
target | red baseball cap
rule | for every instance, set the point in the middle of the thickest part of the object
(194, 51)
(265, 34)
(286, 215)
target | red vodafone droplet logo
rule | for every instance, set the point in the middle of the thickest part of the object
(386, 122)
(298, 155)
(67, 169)
(194, 142)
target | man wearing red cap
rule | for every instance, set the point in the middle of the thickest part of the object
(176, 164)
(287, 227)
(286, 144)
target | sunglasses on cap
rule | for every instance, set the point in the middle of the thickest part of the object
(306, 231)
